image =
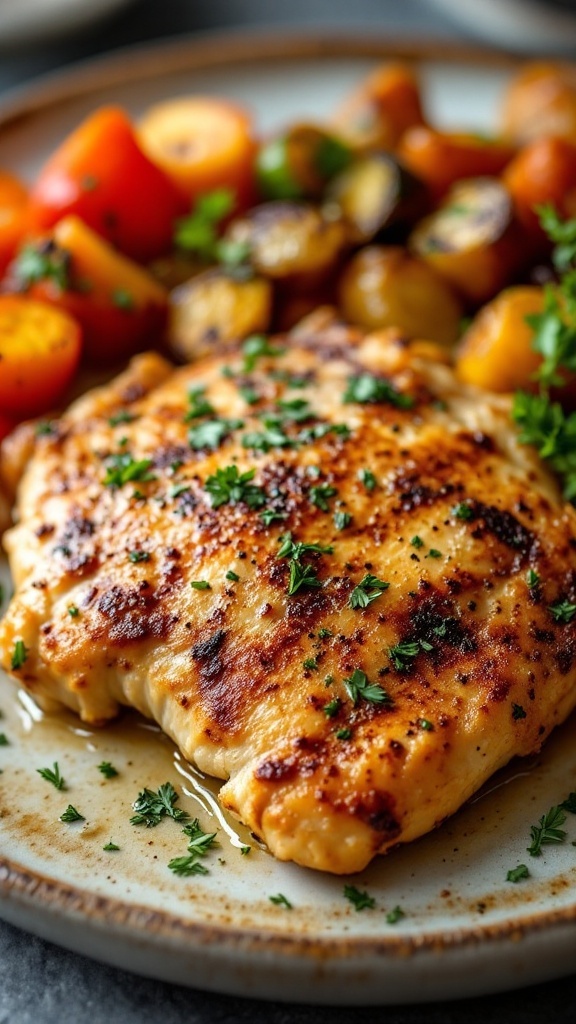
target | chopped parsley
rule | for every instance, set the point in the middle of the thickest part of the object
(332, 709)
(562, 611)
(232, 576)
(281, 901)
(53, 776)
(19, 655)
(122, 469)
(342, 520)
(138, 556)
(110, 847)
(71, 814)
(569, 804)
(211, 433)
(368, 388)
(43, 261)
(518, 874)
(395, 915)
(324, 633)
(301, 576)
(107, 770)
(366, 476)
(198, 232)
(310, 664)
(417, 542)
(228, 486)
(463, 511)
(73, 611)
(320, 494)
(200, 585)
(359, 900)
(358, 687)
(123, 299)
(402, 654)
(548, 830)
(344, 734)
(368, 590)
(198, 404)
(295, 549)
(532, 579)
(434, 553)
(269, 516)
(151, 807)
(4, 741)
(254, 348)
(425, 724)
(122, 416)
(199, 842)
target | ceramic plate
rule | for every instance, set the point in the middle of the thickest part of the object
(465, 929)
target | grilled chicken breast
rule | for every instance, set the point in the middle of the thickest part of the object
(325, 567)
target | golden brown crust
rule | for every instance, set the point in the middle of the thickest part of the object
(250, 679)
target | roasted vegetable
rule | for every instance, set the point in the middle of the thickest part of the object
(202, 143)
(379, 111)
(384, 286)
(39, 352)
(216, 307)
(496, 351)
(101, 174)
(541, 101)
(13, 202)
(374, 193)
(289, 239)
(543, 172)
(441, 158)
(6, 425)
(120, 307)
(298, 164)
(473, 239)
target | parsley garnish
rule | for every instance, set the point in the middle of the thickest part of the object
(359, 900)
(199, 842)
(342, 520)
(532, 579)
(367, 388)
(198, 232)
(425, 724)
(434, 553)
(569, 804)
(367, 591)
(295, 549)
(151, 807)
(395, 915)
(73, 611)
(4, 741)
(463, 511)
(198, 405)
(310, 664)
(228, 486)
(122, 468)
(200, 585)
(269, 516)
(107, 770)
(402, 654)
(52, 775)
(232, 576)
(42, 262)
(254, 348)
(547, 830)
(359, 687)
(71, 814)
(281, 901)
(301, 576)
(366, 476)
(110, 846)
(123, 299)
(319, 495)
(517, 874)
(324, 633)
(122, 416)
(211, 433)
(344, 734)
(562, 611)
(138, 556)
(417, 542)
(19, 655)
(332, 709)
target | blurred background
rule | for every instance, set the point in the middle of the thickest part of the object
(41, 35)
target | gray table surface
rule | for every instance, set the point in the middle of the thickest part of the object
(41, 983)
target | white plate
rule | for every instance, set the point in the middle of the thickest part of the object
(466, 930)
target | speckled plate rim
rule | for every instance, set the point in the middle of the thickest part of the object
(60, 912)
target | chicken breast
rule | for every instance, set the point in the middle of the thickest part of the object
(325, 567)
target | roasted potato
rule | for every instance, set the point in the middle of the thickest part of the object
(384, 286)
(299, 163)
(379, 111)
(374, 193)
(544, 171)
(540, 101)
(496, 351)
